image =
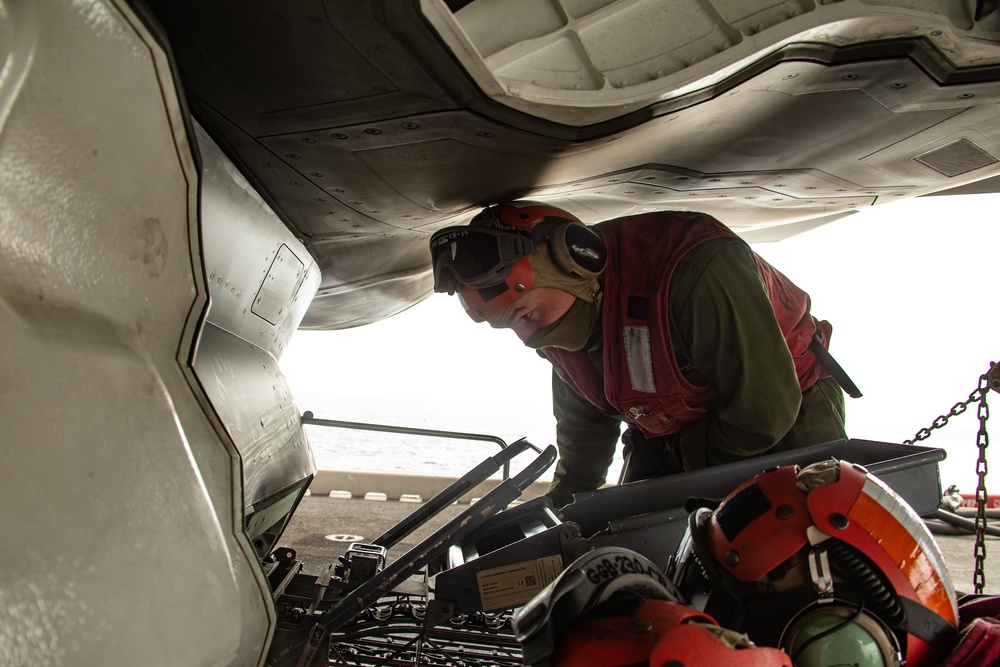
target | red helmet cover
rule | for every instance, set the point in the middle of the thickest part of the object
(522, 213)
(483, 305)
(759, 525)
(749, 540)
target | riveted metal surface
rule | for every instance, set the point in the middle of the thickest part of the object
(784, 117)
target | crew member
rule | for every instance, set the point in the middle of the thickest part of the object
(666, 321)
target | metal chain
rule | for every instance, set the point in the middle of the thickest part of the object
(982, 441)
(990, 378)
(941, 421)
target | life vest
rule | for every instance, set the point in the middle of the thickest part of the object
(642, 379)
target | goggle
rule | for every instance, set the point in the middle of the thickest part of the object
(479, 257)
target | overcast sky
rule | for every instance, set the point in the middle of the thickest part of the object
(910, 288)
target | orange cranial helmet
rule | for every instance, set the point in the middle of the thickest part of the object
(829, 550)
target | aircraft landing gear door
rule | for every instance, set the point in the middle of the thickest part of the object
(260, 280)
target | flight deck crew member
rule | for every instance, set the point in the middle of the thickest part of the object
(666, 321)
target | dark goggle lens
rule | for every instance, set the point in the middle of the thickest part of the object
(475, 257)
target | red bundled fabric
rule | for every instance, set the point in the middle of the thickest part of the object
(980, 642)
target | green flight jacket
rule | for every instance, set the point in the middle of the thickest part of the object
(723, 324)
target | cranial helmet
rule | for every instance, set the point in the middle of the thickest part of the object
(825, 562)
(490, 261)
(613, 607)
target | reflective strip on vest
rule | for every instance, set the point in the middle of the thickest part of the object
(640, 359)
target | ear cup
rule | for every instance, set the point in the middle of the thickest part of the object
(578, 250)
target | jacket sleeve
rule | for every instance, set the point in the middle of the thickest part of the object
(586, 438)
(721, 312)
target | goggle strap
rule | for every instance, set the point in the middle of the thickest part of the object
(515, 246)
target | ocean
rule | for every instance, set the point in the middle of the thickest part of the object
(348, 449)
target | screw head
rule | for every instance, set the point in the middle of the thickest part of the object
(640, 625)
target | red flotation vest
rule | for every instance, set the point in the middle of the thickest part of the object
(641, 378)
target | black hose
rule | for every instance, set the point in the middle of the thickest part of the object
(963, 523)
(938, 527)
(992, 513)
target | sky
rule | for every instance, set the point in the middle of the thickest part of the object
(910, 288)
